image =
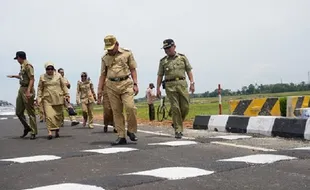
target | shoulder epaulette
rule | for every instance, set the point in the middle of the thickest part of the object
(126, 49)
(28, 64)
(181, 54)
(163, 58)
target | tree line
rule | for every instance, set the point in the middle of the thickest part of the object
(252, 89)
(258, 89)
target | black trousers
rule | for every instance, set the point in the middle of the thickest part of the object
(151, 112)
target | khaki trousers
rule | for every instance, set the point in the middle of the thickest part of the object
(22, 104)
(87, 109)
(121, 95)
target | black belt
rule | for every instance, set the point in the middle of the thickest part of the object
(175, 79)
(24, 85)
(119, 78)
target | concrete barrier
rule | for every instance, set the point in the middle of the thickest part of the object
(218, 123)
(264, 125)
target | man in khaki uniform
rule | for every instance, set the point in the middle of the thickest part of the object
(174, 66)
(72, 117)
(117, 65)
(86, 95)
(26, 94)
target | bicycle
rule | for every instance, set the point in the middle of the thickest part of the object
(162, 111)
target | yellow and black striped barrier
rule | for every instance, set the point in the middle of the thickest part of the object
(255, 107)
(295, 105)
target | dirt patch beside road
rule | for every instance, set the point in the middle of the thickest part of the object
(98, 118)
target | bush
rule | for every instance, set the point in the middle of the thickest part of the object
(283, 102)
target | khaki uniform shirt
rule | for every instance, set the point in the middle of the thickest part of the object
(117, 66)
(52, 89)
(174, 67)
(85, 92)
(26, 72)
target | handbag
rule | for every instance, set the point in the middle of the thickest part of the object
(70, 109)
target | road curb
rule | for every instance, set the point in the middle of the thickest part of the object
(275, 126)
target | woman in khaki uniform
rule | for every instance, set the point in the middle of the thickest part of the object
(52, 92)
(86, 96)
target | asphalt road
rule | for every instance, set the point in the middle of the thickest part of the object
(83, 158)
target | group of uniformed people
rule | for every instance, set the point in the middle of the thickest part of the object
(117, 86)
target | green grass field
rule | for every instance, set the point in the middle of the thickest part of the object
(202, 106)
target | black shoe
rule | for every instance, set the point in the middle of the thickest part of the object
(178, 135)
(33, 136)
(49, 137)
(172, 125)
(114, 130)
(57, 133)
(73, 123)
(26, 131)
(132, 136)
(119, 141)
(105, 129)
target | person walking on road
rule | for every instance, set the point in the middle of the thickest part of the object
(173, 67)
(26, 95)
(86, 96)
(67, 104)
(150, 97)
(52, 92)
(118, 66)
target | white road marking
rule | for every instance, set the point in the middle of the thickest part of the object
(3, 118)
(174, 173)
(149, 132)
(32, 158)
(302, 148)
(233, 137)
(68, 186)
(174, 143)
(259, 158)
(243, 146)
(15, 117)
(110, 150)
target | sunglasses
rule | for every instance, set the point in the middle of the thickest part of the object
(49, 68)
(83, 76)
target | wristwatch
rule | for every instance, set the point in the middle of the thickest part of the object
(192, 83)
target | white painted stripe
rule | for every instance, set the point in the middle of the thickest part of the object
(302, 148)
(163, 134)
(174, 173)
(110, 150)
(3, 118)
(175, 143)
(33, 158)
(261, 125)
(307, 130)
(15, 117)
(148, 132)
(233, 137)
(243, 146)
(259, 158)
(68, 186)
(218, 123)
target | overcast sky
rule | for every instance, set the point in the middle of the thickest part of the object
(231, 42)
